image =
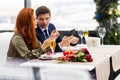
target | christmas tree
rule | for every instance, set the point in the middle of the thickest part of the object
(106, 15)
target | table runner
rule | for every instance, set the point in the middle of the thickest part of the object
(112, 50)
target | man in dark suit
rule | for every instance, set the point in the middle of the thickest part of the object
(45, 29)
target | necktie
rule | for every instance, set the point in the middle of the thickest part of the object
(46, 34)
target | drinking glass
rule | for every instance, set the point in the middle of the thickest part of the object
(80, 33)
(102, 33)
(86, 33)
(52, 47)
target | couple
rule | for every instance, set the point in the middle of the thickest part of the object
(25, 44)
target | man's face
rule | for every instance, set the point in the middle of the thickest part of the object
(43, 20)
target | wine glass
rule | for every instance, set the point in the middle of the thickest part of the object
(102, 32)
(86, 33)
(80, 33)
(52, 47)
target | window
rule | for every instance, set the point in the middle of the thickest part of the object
(70, 14)
(8, 12)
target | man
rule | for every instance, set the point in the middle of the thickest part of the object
(45, 29)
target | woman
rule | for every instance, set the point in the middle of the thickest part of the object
(24, 43)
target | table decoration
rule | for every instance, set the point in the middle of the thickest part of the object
(81, 55)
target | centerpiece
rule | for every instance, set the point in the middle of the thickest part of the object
(81, 55)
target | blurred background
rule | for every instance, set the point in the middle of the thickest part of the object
(66, 15)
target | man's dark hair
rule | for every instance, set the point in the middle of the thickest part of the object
(42, 10)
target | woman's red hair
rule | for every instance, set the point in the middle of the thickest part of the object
(26, 27)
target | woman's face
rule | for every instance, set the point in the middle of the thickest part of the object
(35, 22)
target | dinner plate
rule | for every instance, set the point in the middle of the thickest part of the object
(45, 58)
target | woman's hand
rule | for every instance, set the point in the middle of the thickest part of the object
(53, 36)
(46, 43)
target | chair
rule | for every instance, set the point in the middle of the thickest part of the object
(11, 70)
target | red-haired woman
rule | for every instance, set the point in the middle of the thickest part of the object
(24, 43)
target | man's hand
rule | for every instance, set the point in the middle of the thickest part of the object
(65, 42)
(54, 34)
(73, 39)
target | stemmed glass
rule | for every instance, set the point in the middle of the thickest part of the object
(86, 34)
(80, 33)
(102, 33)
(52, 47)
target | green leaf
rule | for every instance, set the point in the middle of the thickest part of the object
(84, 60)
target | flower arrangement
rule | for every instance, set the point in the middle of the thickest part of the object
(81, 55)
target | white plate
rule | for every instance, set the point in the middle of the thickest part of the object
(44, 57)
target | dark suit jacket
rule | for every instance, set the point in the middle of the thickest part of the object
(41, 37)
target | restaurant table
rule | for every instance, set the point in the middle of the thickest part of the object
(95, 68)
(113, 51)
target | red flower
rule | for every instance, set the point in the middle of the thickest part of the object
(81, 55)
(88, 56)
(90, 60)
(65, 53)
(85, 50)
(72, 52)
(68, 58)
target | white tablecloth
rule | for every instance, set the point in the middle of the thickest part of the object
(98, 62)
(112, 50)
